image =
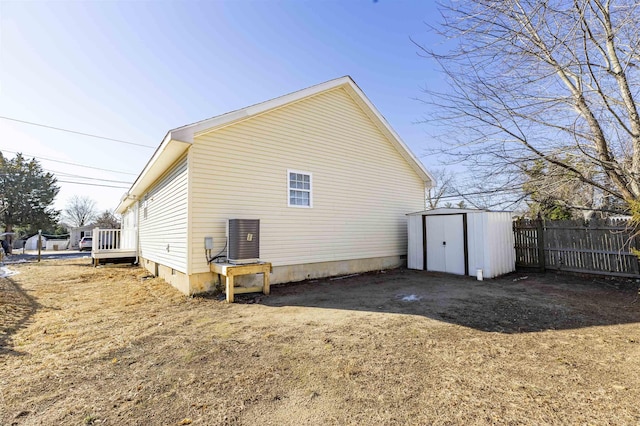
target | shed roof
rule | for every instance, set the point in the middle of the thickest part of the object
(178, 140)
(453, 210)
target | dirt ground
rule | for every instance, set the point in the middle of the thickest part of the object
(110, 346)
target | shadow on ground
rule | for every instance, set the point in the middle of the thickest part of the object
(515, 303)
(16, 308)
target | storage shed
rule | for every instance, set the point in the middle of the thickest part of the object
(32, 243)
(461, 241)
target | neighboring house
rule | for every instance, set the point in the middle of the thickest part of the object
(76, 234)
(329, 179)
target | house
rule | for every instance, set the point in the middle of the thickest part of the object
(323, 171)
(77, 232)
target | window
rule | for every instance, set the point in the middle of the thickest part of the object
(299, 189)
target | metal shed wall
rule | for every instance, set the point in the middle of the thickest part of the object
(490, 242)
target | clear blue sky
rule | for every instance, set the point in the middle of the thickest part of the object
(134, 70)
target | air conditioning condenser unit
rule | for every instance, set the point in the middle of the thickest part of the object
(243, 241)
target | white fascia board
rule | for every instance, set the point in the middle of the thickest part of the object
(187, 133)
(169, 151)
(447, 210)
(391, 134)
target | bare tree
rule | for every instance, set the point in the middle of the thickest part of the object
(444, 187)
(80, 211)
(107, 220)
(556, 81)
(554, 194)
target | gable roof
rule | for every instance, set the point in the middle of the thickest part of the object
(178, 141)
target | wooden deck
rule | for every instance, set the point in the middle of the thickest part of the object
(112, 255)
(113, 245)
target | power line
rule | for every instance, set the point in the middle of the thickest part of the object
(64, 174)
(69, 175)
(70, 163)
(487, 192)
(93, 184)
(77, 133)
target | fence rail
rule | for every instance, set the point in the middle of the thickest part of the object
(597, 247)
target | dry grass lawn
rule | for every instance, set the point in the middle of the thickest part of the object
(83, 345)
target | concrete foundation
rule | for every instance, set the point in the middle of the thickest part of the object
(178, 279)
(199, 283)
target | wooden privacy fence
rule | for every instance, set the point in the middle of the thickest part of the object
(597, 247)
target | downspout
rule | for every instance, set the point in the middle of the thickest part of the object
(137, 232)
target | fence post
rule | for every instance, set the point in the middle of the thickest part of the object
(540, 240)
(39, 244)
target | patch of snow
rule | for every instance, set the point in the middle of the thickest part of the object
(8, 262)
(411, 298)
(6, 272)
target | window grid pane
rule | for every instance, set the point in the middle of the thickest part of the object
(299, 181)
(298, 198)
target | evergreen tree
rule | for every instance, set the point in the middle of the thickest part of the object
(26, 194)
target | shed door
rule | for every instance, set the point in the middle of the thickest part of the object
(445, 244)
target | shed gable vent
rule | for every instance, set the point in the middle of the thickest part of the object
(243, 240)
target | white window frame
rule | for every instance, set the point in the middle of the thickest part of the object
(289, 189)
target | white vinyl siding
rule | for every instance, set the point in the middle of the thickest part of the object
(163, 232)
(362, 187)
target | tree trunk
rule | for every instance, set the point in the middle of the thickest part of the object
(9, 237)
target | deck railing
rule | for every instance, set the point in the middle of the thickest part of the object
(109, 240)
